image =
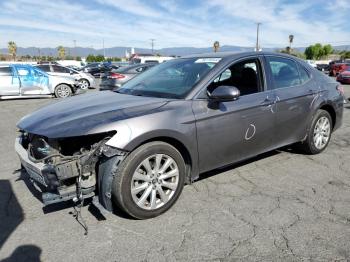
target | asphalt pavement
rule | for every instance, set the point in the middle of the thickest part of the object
(280, 206)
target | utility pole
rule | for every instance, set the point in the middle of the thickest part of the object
(103, 46)
(152, 44)
(75, 45)
(257, 48)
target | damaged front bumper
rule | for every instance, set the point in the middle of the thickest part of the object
(48, 178)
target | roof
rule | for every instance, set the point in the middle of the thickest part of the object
(233, 54)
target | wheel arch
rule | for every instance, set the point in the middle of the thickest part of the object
(330, 109)
(180, 147)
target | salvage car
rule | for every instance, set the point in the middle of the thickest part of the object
(134, 149)
(117, 77)
(26, 81)
(85, 80)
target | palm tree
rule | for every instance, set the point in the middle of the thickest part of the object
(291, 38)
(216, 46)
(12, 47)
(61, 52)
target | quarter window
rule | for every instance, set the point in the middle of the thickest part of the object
(304, 76)
(284, 72)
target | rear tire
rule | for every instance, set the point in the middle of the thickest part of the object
(149, 180)
(63, 91)
(319, 134)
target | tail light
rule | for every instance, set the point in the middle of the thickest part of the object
(340, 89)
(116, 76)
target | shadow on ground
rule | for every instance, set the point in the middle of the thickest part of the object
(11, 216)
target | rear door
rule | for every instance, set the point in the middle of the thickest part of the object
(9, 82)
(295, 92)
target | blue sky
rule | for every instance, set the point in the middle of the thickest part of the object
(173, 23)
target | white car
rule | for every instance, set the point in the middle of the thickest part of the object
(85, 80)
(26, 81)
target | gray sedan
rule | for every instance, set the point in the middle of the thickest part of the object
(116, 78)
(135, 148)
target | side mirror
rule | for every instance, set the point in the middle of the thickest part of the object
(224, 93)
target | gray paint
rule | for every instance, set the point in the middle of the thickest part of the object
(214, 136)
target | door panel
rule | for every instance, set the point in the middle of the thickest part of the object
(293, 112)
(295, 92)
(32, 81)
(231, 131)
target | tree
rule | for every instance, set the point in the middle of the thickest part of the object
(291, 38)
(327, 49)
(99, 58)
(61, 52)
(12, 47)
(90, 58)
(318, 51)
(216, 46)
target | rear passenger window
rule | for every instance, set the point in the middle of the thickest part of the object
(45, 68)
(284, 72)
(60, 69)
(304, 76)
(5, 71)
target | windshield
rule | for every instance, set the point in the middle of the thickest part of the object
(172, 79)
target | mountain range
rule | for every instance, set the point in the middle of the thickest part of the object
(120, 50)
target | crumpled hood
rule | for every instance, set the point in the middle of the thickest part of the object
(84, 114)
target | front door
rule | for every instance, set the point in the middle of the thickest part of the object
(9, 82)
(231, 131)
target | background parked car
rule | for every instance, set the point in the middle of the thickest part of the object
(96, 69)
(336, 68)
(23, 81)
(344, 77)
(323, 67)
(85, 79)
(116, 78)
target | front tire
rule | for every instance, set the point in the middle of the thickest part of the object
(149, 181)
(319, 133)
(63, 91)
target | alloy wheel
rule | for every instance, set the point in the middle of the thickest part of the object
(322, 132)
(63, 91)
(154, 181)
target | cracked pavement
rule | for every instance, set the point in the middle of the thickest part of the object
(280, 206)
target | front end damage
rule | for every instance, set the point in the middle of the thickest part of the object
(68, 168)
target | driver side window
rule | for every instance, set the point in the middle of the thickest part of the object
(244, 75)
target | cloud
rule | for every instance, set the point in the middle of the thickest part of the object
(172, 23)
